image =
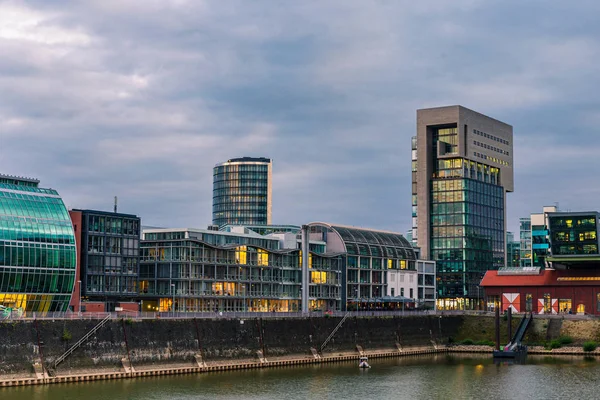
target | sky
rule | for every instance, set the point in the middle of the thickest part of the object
(140, 99)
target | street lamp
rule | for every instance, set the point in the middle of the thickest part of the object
(79, 289)
(173, 301)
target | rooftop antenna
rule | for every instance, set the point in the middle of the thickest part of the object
(115, 204)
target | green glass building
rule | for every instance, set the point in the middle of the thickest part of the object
(462, 169)
(37, 248)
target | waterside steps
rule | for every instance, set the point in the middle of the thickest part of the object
(332, 334)
(81, 341)
(514, 348)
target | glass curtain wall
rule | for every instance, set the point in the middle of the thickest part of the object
(203, 278)
(467, 226)
(37, 250)
(574, 235)
(240, 193)
(525, 238)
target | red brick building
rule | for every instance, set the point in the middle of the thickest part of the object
(547, 291)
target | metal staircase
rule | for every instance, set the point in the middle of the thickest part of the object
(334, 331)
(81, 341)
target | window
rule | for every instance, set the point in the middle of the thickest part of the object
(393, 292)
(411, 293)
(547, 303)
(402, 292)
(529, 302)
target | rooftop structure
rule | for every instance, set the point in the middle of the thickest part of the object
(242, 192)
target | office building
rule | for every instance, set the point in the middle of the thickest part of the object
(37, 248)
(197, 270)
(108, 260)
(462, 168)
(513, 251)
(371, 259)
(569, 282)
(534, 238)
(525, 239)
(242, 192)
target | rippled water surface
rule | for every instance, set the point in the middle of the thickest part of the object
(425, 377)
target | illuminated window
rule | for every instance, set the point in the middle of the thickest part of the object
(318, 277)
(263, 257)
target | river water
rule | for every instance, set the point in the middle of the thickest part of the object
(423, 377)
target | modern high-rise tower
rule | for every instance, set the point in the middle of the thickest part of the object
(242, 192)
(462, 167)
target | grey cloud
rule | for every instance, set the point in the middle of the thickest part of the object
(141, 99)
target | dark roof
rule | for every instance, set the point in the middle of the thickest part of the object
(105, 213)
(386, 241)
(548, 277)
(250, 159)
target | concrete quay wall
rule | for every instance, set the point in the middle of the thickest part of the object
(160, 342)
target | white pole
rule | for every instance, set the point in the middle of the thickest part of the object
(173, 301)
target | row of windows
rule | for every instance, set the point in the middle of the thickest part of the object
(239, 197)
(487, 146)
(114, 225)
(36, 281)
(492, 137)
(575, 249)
(489, 158)
(240, 168)
(26, 188)
(465, 196)
(61, 257)
(573, 236)
(36, 233)
(34, 207)
(244, 184)
(470, 184)
(228, 206)
(572, 222)
(35, 303)
(259, 178)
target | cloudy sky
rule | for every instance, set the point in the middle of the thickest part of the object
(140, 99)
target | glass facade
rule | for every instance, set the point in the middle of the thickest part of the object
(185, 273)
(525, 238)
(513, 251)
(242, 191)
(540, 245)
(37, 248)
(368, 255)
(574, 234)
(466, 223)
(109, 256)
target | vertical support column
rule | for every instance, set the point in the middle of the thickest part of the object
(497, 327)
(509, 317)
(305, 255)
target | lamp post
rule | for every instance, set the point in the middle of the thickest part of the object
(173, 301)
(79, 304)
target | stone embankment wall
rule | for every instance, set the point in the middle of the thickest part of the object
(161, 342)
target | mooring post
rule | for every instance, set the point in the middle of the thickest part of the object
(509, 318)
(497, 327)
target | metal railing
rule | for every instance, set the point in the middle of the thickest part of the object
(248, 315)
(334, 331)
(81, 341)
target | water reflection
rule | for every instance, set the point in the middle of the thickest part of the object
(430, 377)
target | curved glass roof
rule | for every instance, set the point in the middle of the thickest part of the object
(375, 243)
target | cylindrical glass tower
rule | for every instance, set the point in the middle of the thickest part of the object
(242, 192)
(37, 248)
